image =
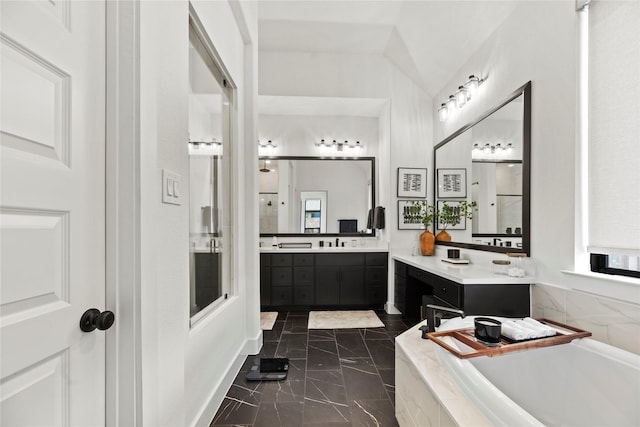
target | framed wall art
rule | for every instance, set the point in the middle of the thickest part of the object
(412, 182)
(452, 183)
(409, 216)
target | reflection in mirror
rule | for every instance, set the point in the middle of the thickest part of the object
(291, 188)
(491, 156)
(209, 118)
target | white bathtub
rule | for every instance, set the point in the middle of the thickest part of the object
(584, 383)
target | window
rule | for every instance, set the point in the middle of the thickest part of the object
(613, 146)
(210, 151)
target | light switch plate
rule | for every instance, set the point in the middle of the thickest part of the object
(171, 188)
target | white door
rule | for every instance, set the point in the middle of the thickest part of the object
(52, 211)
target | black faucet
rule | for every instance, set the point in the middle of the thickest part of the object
(435, 313)
(495, 241)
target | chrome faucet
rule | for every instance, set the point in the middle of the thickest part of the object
(435, 313)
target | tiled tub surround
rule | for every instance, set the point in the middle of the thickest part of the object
(581, 383)
(610, 321)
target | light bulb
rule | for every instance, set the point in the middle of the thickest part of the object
(461, 96)
(451, 104)
(442, 112)
(472, 85)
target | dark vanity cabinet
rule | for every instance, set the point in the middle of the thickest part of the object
(207, 278)
(415, 287)
(323, 279)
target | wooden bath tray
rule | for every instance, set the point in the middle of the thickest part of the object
(565, 334)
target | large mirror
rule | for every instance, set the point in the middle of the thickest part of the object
(488, 162)
(315, 196)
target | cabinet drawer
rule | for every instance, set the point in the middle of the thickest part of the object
(281, 276)
(376, 258)
(303, 295)
(448, 291)
(375, 276)
(303, 276)
(303, 260)
(280, 260)
(281, 295)
(420, 275)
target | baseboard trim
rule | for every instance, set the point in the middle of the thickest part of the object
(251, 346)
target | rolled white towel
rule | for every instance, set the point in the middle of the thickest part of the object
(531, 332)
(547, 331)
(515, 333)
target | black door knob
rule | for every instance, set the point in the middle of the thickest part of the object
(93, 319)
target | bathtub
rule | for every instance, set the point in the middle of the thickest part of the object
(583, 383)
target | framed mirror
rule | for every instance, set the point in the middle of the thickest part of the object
(302, 196)
(488, 162)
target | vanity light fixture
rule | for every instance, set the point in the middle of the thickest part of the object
(463, 95)
(341, 146)
(266, 147)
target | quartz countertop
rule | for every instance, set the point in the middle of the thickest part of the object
(466, 274)
(327, 250)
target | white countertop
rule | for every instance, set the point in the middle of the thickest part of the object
(466, 274)
(319, 250)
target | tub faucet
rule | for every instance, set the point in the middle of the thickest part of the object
(435, 313)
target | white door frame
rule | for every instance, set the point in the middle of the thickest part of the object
(123, 280)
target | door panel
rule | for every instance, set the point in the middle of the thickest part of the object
(52, 142)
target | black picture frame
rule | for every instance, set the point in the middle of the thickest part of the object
(412, 183)
(452, 183)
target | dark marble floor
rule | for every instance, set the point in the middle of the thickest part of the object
(337, 377)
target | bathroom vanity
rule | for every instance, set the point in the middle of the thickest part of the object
(323, 277)
(474, 289)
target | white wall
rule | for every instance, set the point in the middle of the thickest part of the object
(404, 125)
(539, 42)
(186, 372)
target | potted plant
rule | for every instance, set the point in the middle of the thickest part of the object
(424, 213)
(449, 215)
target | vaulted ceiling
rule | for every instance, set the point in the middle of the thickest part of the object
(428, 40)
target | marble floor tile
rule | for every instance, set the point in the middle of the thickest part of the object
(361, 379)
(351, 345)
(293, 346)
(273, 334)
(336, 378)
(373, 413)
(382, 352)
(322, 355)
(322, 335)
(280, 414)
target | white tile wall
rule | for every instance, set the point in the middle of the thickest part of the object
(610, 321)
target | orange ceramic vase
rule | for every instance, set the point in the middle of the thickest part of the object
(443, 236)
(427, 243)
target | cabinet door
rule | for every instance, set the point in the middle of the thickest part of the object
(400, 289)
(265, 285)
(375, 295)
(327, 285)
(375, 276)
(376, 258)
(352, 285)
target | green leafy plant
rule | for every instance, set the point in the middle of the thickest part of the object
(449, 215)
(420, 211)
